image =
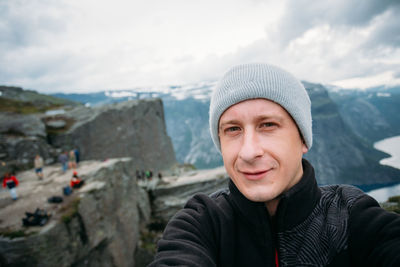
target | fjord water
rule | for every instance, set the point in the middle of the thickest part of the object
(391, 146)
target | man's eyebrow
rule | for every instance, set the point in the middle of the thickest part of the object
(279, 118)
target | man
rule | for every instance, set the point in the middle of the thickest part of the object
(76, 182)
(11, 182)
(273, 213)
(38, 164)
(63, 159)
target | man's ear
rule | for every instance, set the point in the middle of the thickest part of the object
(304, 148)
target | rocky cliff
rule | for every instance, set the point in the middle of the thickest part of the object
(31, 123)
(22, 131)
(21, 137)
(98, 225)
(171, 195)
(111, 221)
(338, 154)
(372, 114)
(128, 129)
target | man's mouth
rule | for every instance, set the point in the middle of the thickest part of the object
(255, 175)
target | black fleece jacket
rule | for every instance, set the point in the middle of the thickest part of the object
(313, 226)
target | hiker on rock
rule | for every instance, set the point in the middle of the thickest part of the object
(63, 159)
(72, 160)
(11, 182)
(38, 164)
(77, 156)
(148, 176)
(138, 175)
(76, 182)
(274, 213)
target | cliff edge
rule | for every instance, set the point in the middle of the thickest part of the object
(97, 225)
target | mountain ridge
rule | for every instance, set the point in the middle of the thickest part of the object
(335, 128)
(187, 124)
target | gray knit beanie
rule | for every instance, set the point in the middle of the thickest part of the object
(252, 81)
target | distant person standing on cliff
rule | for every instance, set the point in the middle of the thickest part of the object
(274, 213)
(11, 182)
(63, 159)
(77, 156)
(72, 160)
(38, 164)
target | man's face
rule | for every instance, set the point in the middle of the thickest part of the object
(261, 148)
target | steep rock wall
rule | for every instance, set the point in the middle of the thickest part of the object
(99, 224)
(128, 129)
(338, 154)
(171, 196)
(21, 138)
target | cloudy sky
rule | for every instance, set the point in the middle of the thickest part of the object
(93, 45)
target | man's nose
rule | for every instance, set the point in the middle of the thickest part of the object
(250, 147)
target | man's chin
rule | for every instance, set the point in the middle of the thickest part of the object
(258, 196)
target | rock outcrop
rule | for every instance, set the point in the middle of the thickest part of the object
(32, 123)
(104, 223)
(21, 125)
(128, 129)
(171, 195)
(21, 138)
(338, 154)
(98, 225)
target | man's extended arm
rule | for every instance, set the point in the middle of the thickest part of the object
(374, 234)
(188, 238)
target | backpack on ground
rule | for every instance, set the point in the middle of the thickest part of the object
(38, 218)
(55, 199)
(67, 190)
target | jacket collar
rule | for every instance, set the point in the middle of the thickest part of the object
(294, 207)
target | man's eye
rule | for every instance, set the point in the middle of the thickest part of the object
(232, 129)
(268, 124)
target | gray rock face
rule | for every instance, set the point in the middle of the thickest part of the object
(128, 129)
(187, 124)
(99, 227)
(172, 195)
(102, 223)
(20, 151)
(370, 115)
(56, 124)
(338, 154)
(21, 138)
(21, 125)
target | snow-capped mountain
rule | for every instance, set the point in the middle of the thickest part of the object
(346, 124)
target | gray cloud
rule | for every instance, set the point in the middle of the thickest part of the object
(301, 15)
(59, 45)
(387, 33)
(396, 74)
(20, 27)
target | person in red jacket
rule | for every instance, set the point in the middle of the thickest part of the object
(11, 182)
(76, 182)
